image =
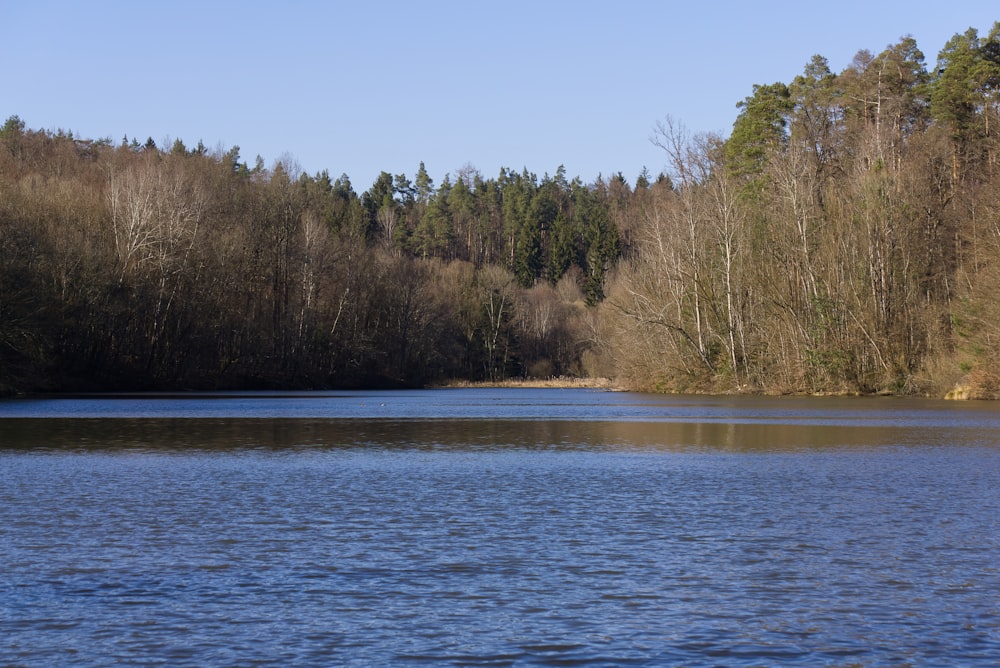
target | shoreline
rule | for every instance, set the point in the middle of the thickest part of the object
(538, 383)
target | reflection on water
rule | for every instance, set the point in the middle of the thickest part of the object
(527, 404)
(831, 533)
(160, 434)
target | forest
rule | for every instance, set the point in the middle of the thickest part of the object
(844, 238)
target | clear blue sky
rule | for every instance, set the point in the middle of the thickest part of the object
(366, 86)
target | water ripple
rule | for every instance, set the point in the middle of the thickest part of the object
(879, 552)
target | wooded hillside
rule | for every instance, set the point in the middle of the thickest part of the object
(844, 237)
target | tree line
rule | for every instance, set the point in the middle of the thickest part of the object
(137, 266)
(845, 237)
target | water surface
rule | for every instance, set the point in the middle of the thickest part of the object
(498, 527)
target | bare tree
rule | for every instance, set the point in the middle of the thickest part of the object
(497, 290)
(156, 210)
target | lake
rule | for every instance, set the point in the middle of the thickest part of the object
(498, 527)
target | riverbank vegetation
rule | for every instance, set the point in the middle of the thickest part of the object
(844, 238)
